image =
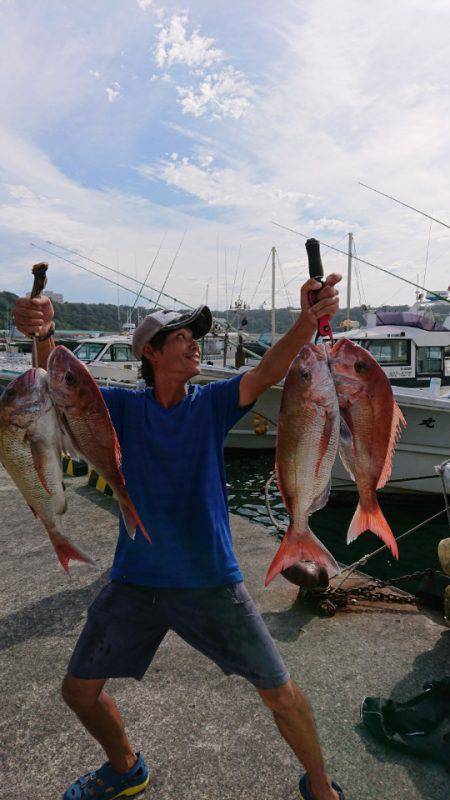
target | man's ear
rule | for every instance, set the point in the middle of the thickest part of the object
(149, 353)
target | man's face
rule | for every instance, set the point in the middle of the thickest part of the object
(179, 357)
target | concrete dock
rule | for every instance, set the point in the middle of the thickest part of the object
(205, 736)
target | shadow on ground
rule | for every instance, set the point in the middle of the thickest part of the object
(431, 665)
(56, 615)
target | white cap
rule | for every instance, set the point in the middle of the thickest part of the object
(199, 321)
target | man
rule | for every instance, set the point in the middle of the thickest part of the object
(172, 437)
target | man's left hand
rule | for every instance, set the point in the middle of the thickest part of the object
(327, 298)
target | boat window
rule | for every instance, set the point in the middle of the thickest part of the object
(429, 360)
(107, 355)
(122, 352)
(388, 351)
(88, 350)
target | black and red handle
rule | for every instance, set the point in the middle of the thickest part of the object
(316, 271)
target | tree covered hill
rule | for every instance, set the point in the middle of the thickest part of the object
(104, 317)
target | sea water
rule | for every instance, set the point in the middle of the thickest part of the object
(247, 473)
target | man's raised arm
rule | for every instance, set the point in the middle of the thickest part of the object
(275, 363)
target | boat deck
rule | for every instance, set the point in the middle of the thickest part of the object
(204, 735)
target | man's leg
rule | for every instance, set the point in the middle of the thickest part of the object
(99, 714)
(293, 715)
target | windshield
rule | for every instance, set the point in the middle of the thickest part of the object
(87, 351)
(388, 351)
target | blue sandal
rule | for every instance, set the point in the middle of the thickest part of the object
(107, 784)
(304, 792)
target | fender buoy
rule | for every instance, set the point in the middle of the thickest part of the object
(260, 424)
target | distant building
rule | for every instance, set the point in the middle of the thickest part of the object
(56, 296)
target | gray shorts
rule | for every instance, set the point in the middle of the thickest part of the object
(127, 623)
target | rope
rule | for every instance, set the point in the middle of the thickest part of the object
(393, 480)
(363, 561)
(269, 510)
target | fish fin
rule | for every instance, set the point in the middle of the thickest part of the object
(304, 547)
(345, 434)
(132, 520)
(343, 455)
(321, 499)
(70, 443)
(372, 519)
(396, 429)
(324, 440)
(67, 551)
(39, 460)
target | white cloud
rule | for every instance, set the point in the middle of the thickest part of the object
(223, 94)
(219, 187)
(113, 92)
(144, 4)
(175, 46)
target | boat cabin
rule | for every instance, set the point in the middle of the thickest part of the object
(410, 347)
(109, 357)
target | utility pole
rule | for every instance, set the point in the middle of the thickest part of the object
(349, 274)
(273, 295)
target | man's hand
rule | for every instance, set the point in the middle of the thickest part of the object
(275, 364)
(33, 316)
(327, 298)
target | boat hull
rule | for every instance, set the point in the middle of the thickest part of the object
(425, 442)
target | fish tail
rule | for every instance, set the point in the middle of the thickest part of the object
(304, 546)
(132, 520)
(372, 519)
(67, 551)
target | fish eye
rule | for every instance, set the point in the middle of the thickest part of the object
(305, 374)
(70, 379)
(360, 366)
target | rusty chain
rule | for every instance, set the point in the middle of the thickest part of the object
(329, 601)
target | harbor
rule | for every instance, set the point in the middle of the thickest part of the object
(203, 735)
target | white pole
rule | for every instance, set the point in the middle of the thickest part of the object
(273, 295)
(349, 273)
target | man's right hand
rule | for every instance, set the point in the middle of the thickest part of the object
(33, 316)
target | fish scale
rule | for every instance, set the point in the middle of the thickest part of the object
(371, 426)
(89, 427)
(307, 442)
(30, 451)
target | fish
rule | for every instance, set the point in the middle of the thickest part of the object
(307, 444)
(370, 428)
(30, 451)
(88, 426)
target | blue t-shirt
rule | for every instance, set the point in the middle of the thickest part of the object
(172, 461)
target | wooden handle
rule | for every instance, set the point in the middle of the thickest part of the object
(40, 278)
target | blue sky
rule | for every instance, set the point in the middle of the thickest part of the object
(126, 121)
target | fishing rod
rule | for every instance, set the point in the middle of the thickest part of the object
(105, 266)
(368, 263)
(132, 291)
(170, 268)
(400, 202)
(148, 272)
(92, 272)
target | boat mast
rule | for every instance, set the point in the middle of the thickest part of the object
(349, 275)
(273, 296)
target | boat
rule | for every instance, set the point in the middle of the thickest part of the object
(411, 347)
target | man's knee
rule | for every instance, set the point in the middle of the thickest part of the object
(80, 694)
(281, 699)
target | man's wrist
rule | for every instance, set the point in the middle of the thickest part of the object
(45, 336)
(306, 323)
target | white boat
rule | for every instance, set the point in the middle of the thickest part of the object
(424, 443)
(410, 347)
